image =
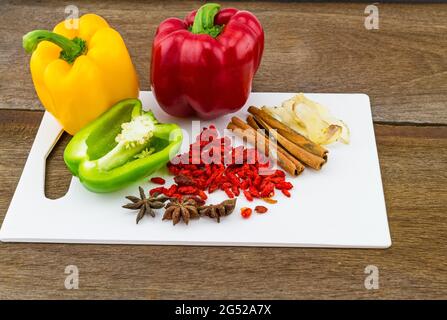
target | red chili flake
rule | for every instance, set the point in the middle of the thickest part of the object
(246, 212)
(158, 180)
(286, 192)
(261, 209)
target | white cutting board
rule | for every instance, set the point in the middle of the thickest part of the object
(340, 206)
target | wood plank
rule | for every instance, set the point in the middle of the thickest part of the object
(318, 47)
(413, 163)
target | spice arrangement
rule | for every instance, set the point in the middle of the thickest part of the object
(253, 184)
(294, 151)
(178, 209)
(212, 164)
(85, 78)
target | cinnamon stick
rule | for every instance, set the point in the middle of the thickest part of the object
(288, 163)
(289, 133)
(252, 123)
(310, 159)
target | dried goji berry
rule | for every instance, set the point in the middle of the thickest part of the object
(255, 193)
(158, 180)
(208, 170)
(171, 190)
(286, 192)
(197, 172)
(158, 190)
(257, 181)
(235, 190)
(246, 212)
(232, 169)
(212, 188)
(183, 180)
(277, 180)
(173, 169)
(248, 195)
(233, 179)
(245, 184)
(225, 185)
(202, 195)
(268, 190)
(187, 190)
(184, 172)
(261, 209)
(280, 173)
(284, 185)
(229, 193)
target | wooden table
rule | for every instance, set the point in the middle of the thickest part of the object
(310, 48)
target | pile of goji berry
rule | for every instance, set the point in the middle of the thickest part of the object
(212, 163)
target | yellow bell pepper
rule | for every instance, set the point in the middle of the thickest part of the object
(80, 73)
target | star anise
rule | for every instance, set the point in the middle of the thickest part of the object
(216, 211)
(145, 205)
(184, 209)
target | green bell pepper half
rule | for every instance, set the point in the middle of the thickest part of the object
(122, 146)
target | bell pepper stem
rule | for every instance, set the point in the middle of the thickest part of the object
(204, 20)
(71, 49)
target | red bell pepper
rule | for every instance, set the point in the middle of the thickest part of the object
(204, 65)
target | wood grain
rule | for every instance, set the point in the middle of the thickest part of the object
(413, 163)
(318, 47)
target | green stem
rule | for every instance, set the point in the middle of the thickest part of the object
(204, 20)
(71, 49)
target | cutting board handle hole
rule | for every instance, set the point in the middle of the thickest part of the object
(57, 176)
